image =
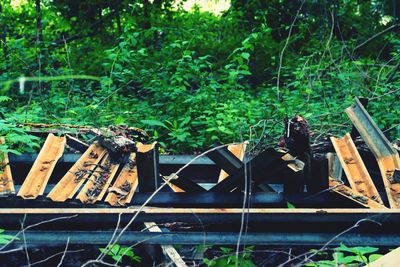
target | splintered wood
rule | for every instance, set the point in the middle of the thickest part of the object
(6, 181)
(125, 185)
(355, 170)
(386, 156)
(96, 186)
(347, 192)
(78, 174)
(239, 151)
(40, 173)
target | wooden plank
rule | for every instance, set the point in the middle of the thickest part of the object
(77, 175)
(354, 167)
(168, 250)
(97, 185)
(6, 181)
(386, 156)
(391, 259)
(239, 151)
(159, 210)
(353, 195)
(125, 185)
(38, 176)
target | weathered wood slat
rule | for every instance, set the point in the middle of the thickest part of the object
(77, 175)
(354, 167)
(239, 151)
(391, 259)
(353, 195)
(125, 185)
(97, 185)
(158, 210)
(38, 176)
(6, 181)
(387, 157)
(168, 250)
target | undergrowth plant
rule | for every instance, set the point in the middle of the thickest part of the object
(346, 256)
(118, 253)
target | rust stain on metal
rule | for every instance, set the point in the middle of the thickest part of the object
(6, 181)
(125, 185)
(386, 156)
(37, 178)
(353, 166)
(239, 151)
(78, 174)
(353, 195)
(98, 183)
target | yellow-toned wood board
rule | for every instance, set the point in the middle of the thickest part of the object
(97, 185)
(125, 185)
(354, 167)
(78, 174)
(38, 176)
(6, 180)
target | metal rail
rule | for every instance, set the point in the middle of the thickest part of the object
(43, 238)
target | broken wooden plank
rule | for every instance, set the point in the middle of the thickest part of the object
(125, 185)
(353, 195)
(387, 260)
(6, 181)
(38, 176)
(97, 184)
(168, 250)
(77, 175)
(386, 156)
(239, 151)
(354, 167)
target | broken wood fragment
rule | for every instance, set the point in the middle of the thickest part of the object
(354, 167)
(97, 184)
(6, 180)
(78, 174)
(125, 185)
(37, 178)
(168, 250)
(353, 195)
(386, 156)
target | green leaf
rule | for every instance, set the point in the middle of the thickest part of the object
(155, 123)
(374, 257)
(245, 55)
(115, 248)
(290, 205)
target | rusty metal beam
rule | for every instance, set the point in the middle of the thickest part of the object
(78, 174)
(354, 167)
(37, 178)
(6, 181)
(125, 185)
(387, 157)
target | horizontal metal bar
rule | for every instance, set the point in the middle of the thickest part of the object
(164, 159)
(215, 238)
(203, 199)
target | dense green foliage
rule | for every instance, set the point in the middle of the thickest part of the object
(194, 78)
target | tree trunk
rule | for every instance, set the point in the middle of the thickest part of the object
(117, 10)
(4, 36)
(39, 27)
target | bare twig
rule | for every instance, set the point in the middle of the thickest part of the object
(278, 94)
